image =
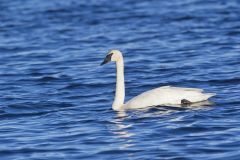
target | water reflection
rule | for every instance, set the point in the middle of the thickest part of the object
(123, 124)
(121, 130)
(198, 105)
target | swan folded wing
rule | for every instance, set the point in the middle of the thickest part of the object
(152, 97)
(167, 95)
(181, 88)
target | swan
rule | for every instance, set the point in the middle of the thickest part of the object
(162, 96)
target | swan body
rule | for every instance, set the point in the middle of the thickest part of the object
(165, 95)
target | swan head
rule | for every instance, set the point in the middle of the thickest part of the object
(113, 55)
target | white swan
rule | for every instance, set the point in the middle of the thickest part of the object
(165, 95)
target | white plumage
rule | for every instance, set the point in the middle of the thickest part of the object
(165, 95)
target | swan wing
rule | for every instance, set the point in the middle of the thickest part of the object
(181, 88)
(167, 95)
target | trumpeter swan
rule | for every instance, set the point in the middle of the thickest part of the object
(165, 95)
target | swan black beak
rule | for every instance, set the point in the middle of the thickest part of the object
(107, 59)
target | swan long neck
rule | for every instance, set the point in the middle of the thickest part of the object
(120, 86)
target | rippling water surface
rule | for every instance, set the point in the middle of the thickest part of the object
(55, 99)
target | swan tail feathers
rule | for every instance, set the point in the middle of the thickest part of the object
(209, 95)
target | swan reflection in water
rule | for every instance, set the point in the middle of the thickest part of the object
(123, 130)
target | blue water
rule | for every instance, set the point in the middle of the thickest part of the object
(55, 99)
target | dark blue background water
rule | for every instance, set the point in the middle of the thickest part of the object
(55, 99)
